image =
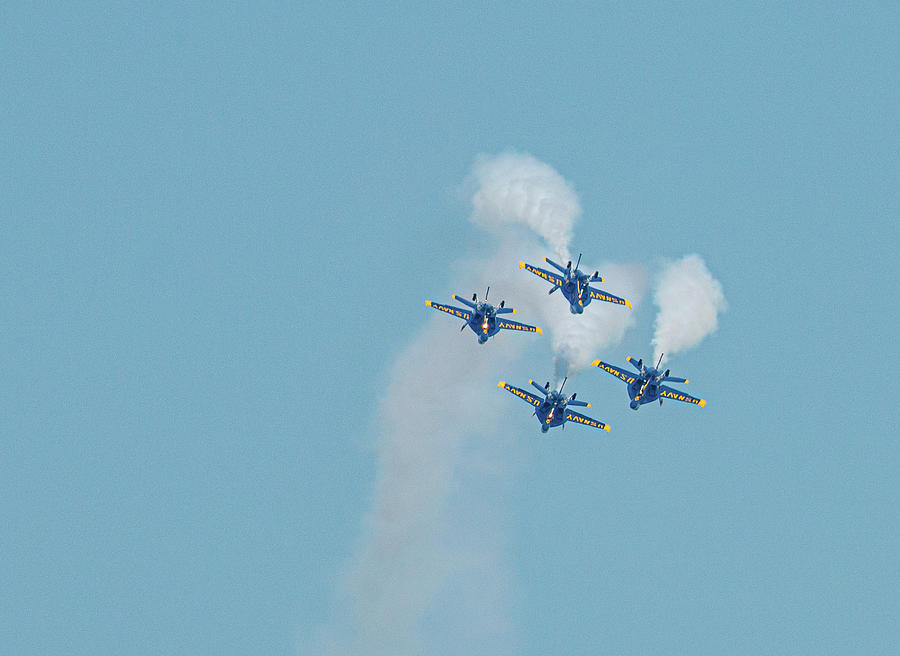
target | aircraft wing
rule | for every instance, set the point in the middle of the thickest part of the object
(669, 393)
(449, 309)
(549, 276)
(515, 325)
(621, 374)
(573, 416)
(600, 295)
(522, 394)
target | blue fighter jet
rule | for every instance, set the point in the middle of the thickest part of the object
(552, 410)
(645, 387)
(575, 284)
(482, 317)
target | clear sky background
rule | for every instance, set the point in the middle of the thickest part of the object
(218, 225)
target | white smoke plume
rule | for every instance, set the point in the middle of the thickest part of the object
(689, 301)
(516, 188)
(423, 549)
(429, 562)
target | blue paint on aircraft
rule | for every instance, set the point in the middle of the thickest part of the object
(484, 319)
(553, 410)
(574, 284)
(646, 387)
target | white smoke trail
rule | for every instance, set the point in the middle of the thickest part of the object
(425, 553)
(689, 301)
(439, 397)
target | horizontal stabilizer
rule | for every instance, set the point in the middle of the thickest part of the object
(556, 266)
(464, 301)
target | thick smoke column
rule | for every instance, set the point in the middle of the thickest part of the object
(427, 556)
(424, 552)
(689, 301)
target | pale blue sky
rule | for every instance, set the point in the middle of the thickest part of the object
(217, 229)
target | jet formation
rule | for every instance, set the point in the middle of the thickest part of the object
(552, 408)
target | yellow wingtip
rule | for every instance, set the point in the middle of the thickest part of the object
(428, 303)
(595, 363)
(545, 259)
(539, 331)
(513, 311)
(686, 381)
(702, 403)
(530, 381)
(627, 302)
(521, 265)
(628, 358)
(606, 428)
(502, 383)
(588, 405)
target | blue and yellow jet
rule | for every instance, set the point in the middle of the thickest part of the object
(645, 387)
(552, 410)
(575, 284)
(482, 317)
